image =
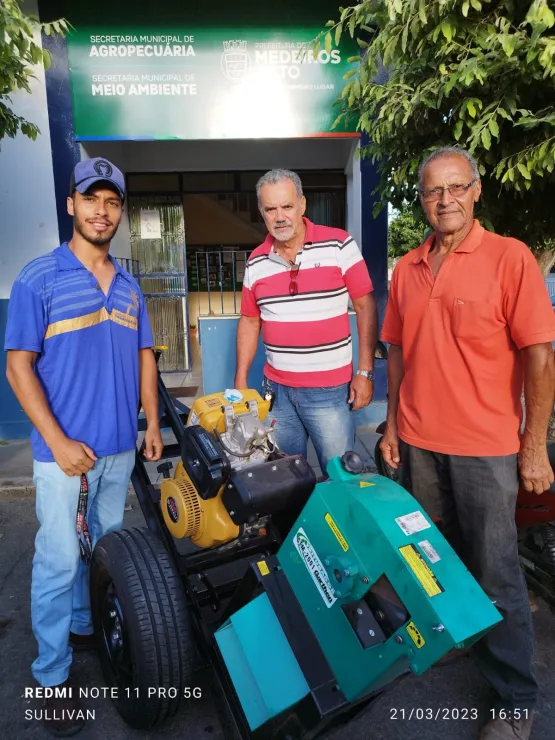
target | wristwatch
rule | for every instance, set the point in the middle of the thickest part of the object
(368, 374)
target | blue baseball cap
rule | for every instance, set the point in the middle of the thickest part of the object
(91, 171)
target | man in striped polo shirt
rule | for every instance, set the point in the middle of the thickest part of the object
(296, 290)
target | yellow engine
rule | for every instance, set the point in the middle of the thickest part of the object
(221, 436)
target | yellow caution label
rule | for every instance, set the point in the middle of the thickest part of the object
(263, 568)
(421, 570)
(415, 635)
(335, 529)
(213, 403)
(366, 484)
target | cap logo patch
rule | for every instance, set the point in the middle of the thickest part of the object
(103, 168)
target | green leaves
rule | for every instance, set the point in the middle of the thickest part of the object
(338, 32)
(486, 138)
(19, 54)
(508, 42)
(476, 72)
(525, 172)
(406, 230)
(448, 30)
(493, 127)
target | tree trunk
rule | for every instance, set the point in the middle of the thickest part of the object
(545, 259)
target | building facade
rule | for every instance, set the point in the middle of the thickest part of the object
(193, 101)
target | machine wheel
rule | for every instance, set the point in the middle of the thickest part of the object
(141, 622)
(402, 477)
(378, 459)
(381, 465)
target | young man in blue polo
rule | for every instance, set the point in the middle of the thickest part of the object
(79, 358)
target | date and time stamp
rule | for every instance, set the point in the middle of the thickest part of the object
(455, 714)
(396, 714)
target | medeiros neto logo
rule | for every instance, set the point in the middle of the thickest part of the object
(314, 566)
(236, 61)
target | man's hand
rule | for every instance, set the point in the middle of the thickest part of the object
(539, 380)
(361, 393)
(74, 458)
(535, 470)
(241, 383)
(389, 446)
(153, 443)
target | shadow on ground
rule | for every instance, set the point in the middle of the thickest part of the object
(455, 690)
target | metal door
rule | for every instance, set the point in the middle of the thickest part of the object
(158, 243)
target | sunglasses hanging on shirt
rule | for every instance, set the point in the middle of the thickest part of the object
(293, 272)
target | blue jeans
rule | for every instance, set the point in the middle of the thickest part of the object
(323, 414)
(60, 580)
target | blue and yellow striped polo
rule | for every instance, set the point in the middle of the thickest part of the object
(88, 345)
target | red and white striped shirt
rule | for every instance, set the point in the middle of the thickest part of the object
(307, 336)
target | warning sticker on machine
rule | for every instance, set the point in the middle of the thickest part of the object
(411, 523)
(263, 567)
(213, 403)
(193, 419)
(314, 566)
(422, 571)
(415, 635)
(335, 529)
(429, 551)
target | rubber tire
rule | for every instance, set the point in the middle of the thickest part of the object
(381, 467)
(384, 469)
(152, 601)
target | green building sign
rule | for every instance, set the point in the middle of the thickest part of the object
(204, 83)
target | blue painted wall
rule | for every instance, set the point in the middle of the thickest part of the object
(65, 150)
(374, 232)
(218, 334)
(13, 422)
(65, 154)
(217, 340)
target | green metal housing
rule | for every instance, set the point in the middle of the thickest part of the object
(381, 588)
(359, 529)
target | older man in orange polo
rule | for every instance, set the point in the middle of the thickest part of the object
(470, 324)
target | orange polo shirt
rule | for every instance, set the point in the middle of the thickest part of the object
(461, 335)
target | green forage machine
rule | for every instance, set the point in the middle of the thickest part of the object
(306, 599)
(363, 589)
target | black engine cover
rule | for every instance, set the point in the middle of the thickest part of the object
(268, 488)
(204, 460)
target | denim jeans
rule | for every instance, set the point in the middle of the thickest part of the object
(60, 580)
(475, 499)
(321, 414)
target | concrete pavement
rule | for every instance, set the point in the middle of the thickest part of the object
(447, 702)
(16, 466)
(455, 696)
(16, 460)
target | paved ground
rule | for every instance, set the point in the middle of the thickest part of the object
(16, 465)
(455, 687)
(16, 460)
